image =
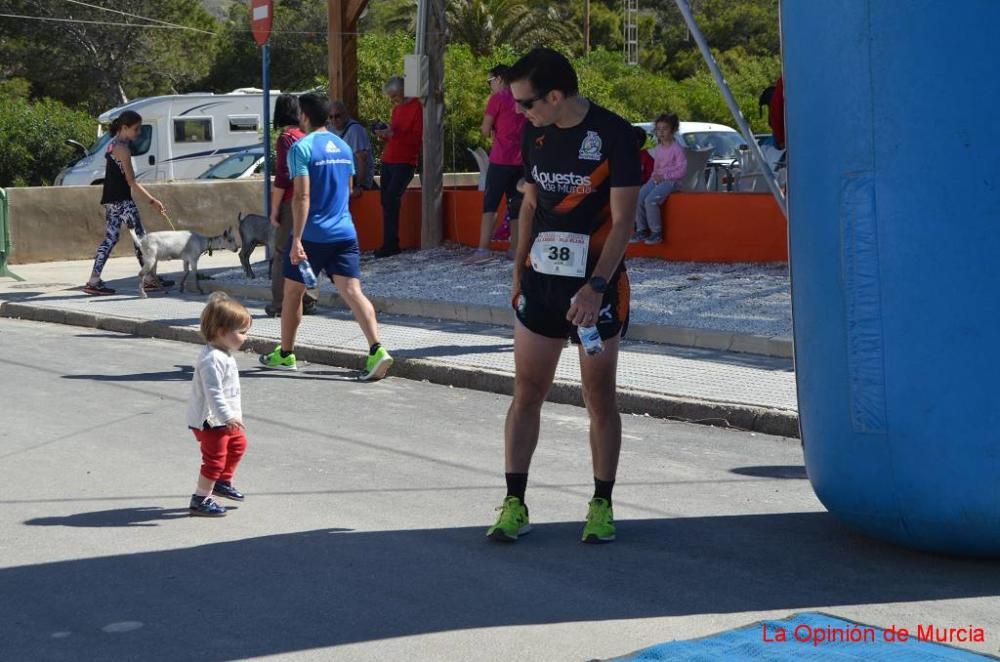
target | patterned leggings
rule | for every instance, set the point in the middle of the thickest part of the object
(116, 214)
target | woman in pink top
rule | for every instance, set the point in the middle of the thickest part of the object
(669, 166)
(505, 125)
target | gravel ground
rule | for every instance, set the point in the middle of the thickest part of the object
(742, 298)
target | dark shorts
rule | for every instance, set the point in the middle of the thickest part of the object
(543, 303)
(501, 180)
(341, 258)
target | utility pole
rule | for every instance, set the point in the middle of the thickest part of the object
(586, 27)
(432, 44)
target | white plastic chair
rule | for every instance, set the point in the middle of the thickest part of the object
(483, 161)
(694, 178)
(751, 178)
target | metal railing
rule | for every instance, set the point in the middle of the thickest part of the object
(5, 243)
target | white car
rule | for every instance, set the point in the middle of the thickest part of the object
(724, 140)
(248, 163)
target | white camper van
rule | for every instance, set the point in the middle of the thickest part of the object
(182, 135)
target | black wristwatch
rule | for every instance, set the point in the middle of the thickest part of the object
(598, 284)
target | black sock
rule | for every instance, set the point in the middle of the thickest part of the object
(602, 489)
(516, 485)
(285, 354)
(377, 346)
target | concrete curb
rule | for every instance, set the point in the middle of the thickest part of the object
(747, 417)
(725, 341)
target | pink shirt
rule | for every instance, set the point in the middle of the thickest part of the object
(669, 161)
(508, 128)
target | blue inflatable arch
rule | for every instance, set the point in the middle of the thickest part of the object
(894, 228)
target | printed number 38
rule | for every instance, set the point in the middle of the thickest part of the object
(560, 254)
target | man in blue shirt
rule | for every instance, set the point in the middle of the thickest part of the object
(323, 235)
(355, 135)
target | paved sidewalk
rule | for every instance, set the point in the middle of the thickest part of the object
(745, 391)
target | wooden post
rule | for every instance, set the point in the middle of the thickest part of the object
(342, 50)
(586, 27)
(335, 47)
(432, 176)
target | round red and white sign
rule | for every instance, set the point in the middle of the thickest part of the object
(261, 13)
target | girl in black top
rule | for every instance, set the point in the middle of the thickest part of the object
(119, 182)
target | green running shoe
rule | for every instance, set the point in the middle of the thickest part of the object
(377, 365)
(512, 522)
(600, 526)
(275, 361)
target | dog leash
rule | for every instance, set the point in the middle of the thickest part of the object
(164, 214)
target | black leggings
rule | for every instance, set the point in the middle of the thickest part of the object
(117, 213)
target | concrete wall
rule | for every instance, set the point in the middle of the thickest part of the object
(67, 222)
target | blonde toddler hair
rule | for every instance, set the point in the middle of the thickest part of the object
(221, 315)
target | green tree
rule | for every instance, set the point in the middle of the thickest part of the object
(99, 64)
(385, 16)
(33, 139)
(749, 24)
(298, 48)
(483, 25)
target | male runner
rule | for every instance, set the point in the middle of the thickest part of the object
(321, 165)
(582, 174)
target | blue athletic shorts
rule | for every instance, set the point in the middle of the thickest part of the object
(341, 258)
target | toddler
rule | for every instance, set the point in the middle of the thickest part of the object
(214, 411)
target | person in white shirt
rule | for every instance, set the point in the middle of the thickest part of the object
(214, 413)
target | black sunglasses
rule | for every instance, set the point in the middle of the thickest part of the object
(336, 116)
(528, 103)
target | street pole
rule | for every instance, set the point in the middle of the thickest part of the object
(266, 76)
(586, 27)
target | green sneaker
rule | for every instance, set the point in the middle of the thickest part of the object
(275, 361)
(512, 522)
(600, 526)
(377, 365)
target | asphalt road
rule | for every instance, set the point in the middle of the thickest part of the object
(362, 536)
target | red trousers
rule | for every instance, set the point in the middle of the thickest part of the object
(221, 451)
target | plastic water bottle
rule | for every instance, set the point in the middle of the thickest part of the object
(308, 277)
(590, 337)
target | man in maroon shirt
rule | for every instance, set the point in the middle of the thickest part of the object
(404, 138)
(286, 122)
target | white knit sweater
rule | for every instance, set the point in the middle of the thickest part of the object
(215, 389)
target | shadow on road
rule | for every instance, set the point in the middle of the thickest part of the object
(786, 472)
(141, 516)
(301, 591)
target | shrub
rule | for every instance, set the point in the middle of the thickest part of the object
(33, 138)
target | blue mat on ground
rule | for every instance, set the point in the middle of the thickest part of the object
(806, 636)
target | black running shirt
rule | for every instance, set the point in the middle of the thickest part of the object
(574, 170)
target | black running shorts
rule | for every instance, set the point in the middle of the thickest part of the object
(543, 302)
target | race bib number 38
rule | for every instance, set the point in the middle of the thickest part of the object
(560, 254)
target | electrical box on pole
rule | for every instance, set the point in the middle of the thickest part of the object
(415, 75)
